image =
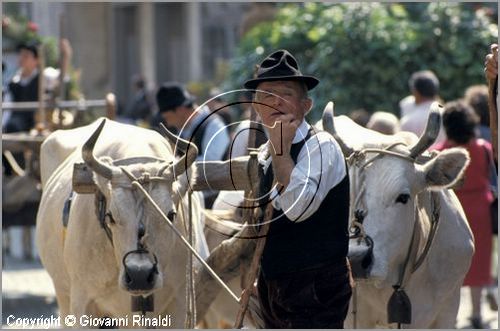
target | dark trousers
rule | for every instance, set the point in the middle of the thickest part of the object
(317, 298)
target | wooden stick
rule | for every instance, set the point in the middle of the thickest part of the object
(254, 267)
(62, 70)
(41, 122)
(259, 249)
(110, 106)
(492, 105)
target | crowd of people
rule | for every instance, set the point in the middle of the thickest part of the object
(285, 281)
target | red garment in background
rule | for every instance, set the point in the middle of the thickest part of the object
(476, 197)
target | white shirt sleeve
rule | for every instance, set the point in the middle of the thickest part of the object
(320, 167)
(240, 140)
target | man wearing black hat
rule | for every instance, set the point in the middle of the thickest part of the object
(207, 130)
(24, 84)
(305, 279)
(24, 87)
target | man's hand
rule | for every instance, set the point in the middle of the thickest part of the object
(281, 137)
(282, 134)
(65, 48)
(66, 54)
(491, 63)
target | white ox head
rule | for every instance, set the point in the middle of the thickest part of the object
(392, 184)
(142, 242)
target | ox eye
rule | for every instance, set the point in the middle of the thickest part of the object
(109, 218)
(403, 198)
(171, 215)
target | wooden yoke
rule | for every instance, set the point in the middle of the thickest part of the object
(41, 119)
(230, 175)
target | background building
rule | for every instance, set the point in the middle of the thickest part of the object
(186, 42)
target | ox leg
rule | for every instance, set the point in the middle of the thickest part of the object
(63, 302)
(81, 304)
(447, 317)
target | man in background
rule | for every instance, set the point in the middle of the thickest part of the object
(424, 88)
(178, 109)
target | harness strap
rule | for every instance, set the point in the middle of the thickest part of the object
(359, 211)
(65, 215)
(436, 211)
(101, 215)
(100, 202)
(412, 250)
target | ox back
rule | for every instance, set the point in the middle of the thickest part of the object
(319, 240)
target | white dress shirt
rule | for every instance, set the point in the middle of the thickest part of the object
(320, 166)
(415, 118)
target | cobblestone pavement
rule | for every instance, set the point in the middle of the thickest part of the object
(27, 291)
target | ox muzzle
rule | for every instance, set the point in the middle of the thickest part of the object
(140, 271)
(361, 257)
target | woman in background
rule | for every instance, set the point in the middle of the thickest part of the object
(460, 124)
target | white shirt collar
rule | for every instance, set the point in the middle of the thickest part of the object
(300, 135)
(301, 132)
(18, 78)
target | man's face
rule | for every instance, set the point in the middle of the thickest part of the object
(278, 98)
(172, 118)
(27, 60)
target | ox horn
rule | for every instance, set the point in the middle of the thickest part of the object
(190, 151)
(88, 155)
(181, 144)
(329, 126)
(430, 133)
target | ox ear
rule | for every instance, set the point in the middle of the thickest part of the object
(446, 169)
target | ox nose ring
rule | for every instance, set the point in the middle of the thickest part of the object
(141, 268)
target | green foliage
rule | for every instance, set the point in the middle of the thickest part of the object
(17, 29)
(364, 53)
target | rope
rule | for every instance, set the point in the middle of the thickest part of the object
(355, 306)
(436, 211)
(190, 302)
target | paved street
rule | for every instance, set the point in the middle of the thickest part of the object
(27, 291)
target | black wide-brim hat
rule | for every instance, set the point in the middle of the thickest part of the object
(171, 95)
(280, 65)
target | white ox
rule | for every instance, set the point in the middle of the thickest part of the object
(93, 275)
(393, 185)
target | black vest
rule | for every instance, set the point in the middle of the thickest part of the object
(318, 240)
(23, 120)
